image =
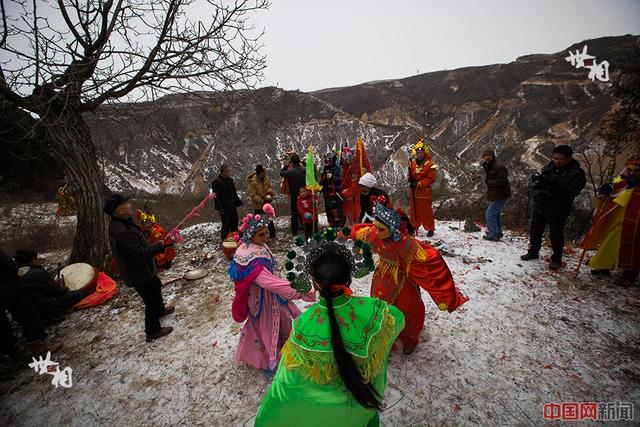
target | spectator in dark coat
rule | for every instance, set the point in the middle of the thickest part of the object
(226, 201)
(14, 299)
(554, 190)
(297, 179)
(498, 191)
(136, 263)
(330, 180)
(51, 299)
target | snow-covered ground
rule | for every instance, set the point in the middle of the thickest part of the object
(526, 337)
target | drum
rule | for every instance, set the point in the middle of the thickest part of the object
(80, 277)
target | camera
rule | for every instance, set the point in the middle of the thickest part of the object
(540, 186)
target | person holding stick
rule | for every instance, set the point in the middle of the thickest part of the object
(136, 263)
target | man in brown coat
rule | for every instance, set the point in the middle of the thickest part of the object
(498, 191)
(260, 192)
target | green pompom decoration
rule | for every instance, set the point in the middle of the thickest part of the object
(291, 276)
(346, 231)
(366, 247)
(361, 273)
(370, 265)
(301, 286)
(317, 237)
(358, 243)
(288, 265)
(330, 234)
(299, 241)
(291, 254)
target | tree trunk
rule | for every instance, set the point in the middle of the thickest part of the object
(72, 147)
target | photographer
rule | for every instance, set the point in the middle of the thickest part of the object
(554, 189)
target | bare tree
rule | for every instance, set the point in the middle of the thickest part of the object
(62, 59)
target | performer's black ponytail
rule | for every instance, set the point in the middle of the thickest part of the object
(331, 269)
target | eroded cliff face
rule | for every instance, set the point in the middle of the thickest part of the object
(177, 143)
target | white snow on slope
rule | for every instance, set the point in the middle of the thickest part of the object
(526, 337)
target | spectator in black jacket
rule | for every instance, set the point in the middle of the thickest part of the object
(297, 179)
(330, 180)
(136, 263)
(51, 299)
(226, 201)
(498, 191)
(554, 189)
(15, 299)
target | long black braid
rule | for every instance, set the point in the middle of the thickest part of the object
(330, 269)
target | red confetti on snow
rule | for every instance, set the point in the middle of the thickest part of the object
(548, 366)
(215, 343)
(456, 407)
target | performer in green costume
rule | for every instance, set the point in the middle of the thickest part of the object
(334, 365)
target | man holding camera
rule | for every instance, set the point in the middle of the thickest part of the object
(554, 190)
(136, 263)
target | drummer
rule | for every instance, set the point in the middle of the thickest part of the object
(51, 299)
(136, 263)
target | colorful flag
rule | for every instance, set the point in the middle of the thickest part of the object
(310, 179)
(361, 157)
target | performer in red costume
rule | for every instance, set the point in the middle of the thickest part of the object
(353, 167)
(615, 231)
(407, 264)
(155, 233)
(422, 175)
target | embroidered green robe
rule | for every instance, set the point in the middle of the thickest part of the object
(307, 389)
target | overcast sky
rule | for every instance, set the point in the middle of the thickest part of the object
(317, 44)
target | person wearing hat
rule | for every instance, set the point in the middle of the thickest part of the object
(136, 263)
(422, 174)
(498, 191)
(368, 194)
(405, 265)
(263, 301)
(615, 232)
